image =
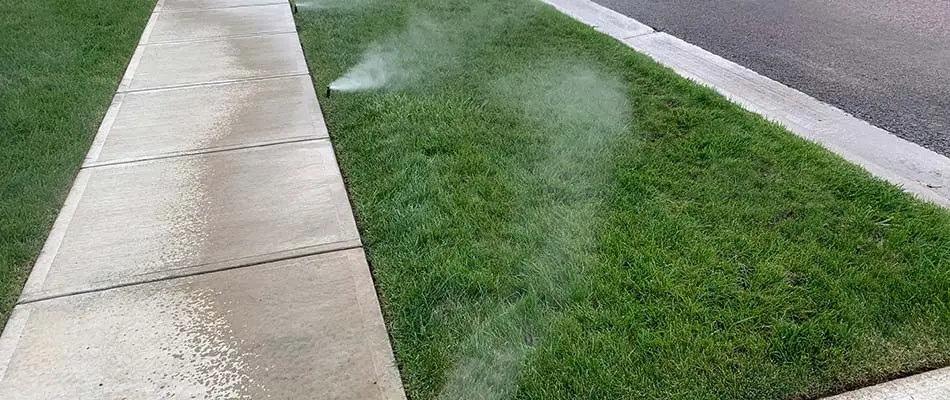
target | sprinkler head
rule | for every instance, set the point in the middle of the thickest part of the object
(293, 6)
(329, 91)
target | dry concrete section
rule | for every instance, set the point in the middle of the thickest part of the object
(304, 328)
(934, 385)
(207, 249)
(602, 19)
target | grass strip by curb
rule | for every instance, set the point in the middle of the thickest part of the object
(60, 63)
(550, 215)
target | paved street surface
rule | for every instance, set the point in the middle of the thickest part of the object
(207, 249)
(887, 62)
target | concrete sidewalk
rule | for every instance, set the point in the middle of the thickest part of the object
(207, 248)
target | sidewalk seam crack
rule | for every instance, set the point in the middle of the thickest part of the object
(183, 10)
(209, 83)
(191, 274)
(197, 152)
(215, 38)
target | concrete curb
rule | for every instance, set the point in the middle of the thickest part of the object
(907, 165)
(928, 385)
(911, 167)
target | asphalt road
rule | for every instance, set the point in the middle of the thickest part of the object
(884, 61)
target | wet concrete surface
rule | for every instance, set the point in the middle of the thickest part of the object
(305, 328)
(142, 221)
(882, 61)
(166, 122)
(212, 61)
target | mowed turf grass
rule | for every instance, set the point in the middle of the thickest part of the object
(550, 215)
(60, 63)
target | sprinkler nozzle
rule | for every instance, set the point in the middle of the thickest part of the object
(293, 6)
(329, 91)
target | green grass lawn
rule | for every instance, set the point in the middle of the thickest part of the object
(60, 63)
(550, 215)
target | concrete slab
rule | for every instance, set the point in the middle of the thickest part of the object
(213, 61)
(139, 222)
(216, 23)
(601, 18)
(191, 5)
(905, 164)
(168, 122)
(929, 385)
(305, 328)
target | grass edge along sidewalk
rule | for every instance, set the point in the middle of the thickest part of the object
(60, 64)
(672, 246)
